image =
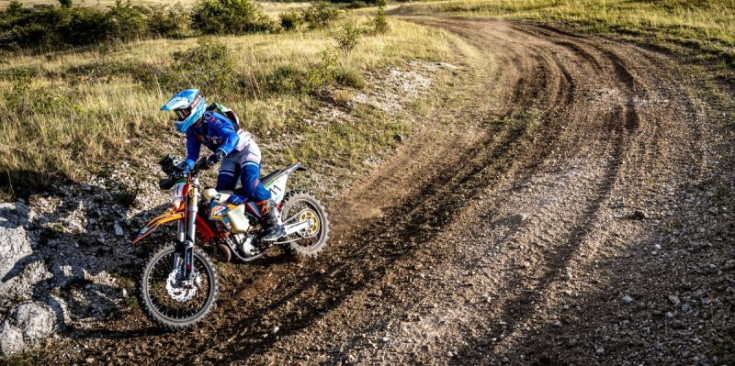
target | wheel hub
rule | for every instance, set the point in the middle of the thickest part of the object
(180, 290)
(311, 217)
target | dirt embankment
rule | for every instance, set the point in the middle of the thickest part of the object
(581, 213)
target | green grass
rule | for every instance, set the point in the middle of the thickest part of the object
(704, 28)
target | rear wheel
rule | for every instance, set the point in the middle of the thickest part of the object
(301, 206)
(169, 303)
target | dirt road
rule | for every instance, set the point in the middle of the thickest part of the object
(579, 211)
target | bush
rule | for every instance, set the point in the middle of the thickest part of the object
(320, 15)
(349, 77)
(51, 26)
(380, 23)
(357, 5)
(285, 79)
(209, 66)
(229, 17)
(291, 20)
(125, 22)
(348, 37)
(170, 22)
(289, 79)
(322, 73)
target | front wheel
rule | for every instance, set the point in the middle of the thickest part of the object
(169, 301)
(301, 206)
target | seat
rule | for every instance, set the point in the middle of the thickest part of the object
(267, 178)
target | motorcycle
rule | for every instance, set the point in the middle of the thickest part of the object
(179, 284)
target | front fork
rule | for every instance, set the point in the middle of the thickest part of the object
(186, 236)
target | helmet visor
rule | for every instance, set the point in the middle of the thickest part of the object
(181, 114)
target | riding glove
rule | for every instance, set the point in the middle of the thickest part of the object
(215, 158)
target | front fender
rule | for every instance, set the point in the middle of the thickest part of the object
(165, 218)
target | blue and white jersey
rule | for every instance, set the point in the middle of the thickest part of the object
(217, 132)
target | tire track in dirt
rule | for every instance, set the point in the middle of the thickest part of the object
(463, 246)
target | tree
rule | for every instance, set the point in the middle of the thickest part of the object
(65, 3)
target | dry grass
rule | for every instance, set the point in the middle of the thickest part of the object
(60, 115)
(708, 27)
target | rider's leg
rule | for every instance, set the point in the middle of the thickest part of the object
(229, 172)
(255, 190)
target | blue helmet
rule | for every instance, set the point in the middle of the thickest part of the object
(189, 107)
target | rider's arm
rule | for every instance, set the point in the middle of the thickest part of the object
(227, 132)
(192, 148)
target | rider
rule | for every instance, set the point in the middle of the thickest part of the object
(233, 146)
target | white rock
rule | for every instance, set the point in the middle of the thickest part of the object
(627, 299)
(118, 230)
(20, 269)
(35, 321)
(14, 243)
(11, 340)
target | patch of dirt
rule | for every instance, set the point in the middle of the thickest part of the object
(582, 213)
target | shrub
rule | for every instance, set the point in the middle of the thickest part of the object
(125, 22)
(380, 23)
(169, 22)
(65, 3)
(291, 20)
(83, 26)
(229, 17)
(357, 5)
(322, 73)
(289, 79)
(320, 15)
(209, 66)
(51, 26)
(348, 37)
(349, 77)
(285, 79)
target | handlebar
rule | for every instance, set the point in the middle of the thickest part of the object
(169, 165)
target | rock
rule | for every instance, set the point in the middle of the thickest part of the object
(11, 340)
(14, 243)
(27, 326)
(686, 308)
(627, 299)
(398, 137)
(275, 329)
(600, 350)
(674, 300)
(36, 321)
(118, 230)
(657, 247)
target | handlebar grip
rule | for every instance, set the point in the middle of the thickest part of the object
(166, 183)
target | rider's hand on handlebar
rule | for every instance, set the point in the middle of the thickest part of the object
(201, 164)
(183, 167)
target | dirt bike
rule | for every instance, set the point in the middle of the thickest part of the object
(179, 284)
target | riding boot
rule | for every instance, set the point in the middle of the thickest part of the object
(272, 228)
